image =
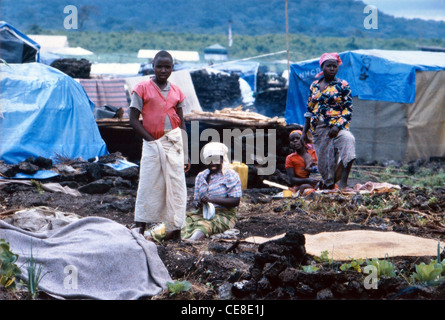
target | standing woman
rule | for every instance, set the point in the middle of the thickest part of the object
(328, 115)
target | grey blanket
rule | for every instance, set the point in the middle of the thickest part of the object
(92, 258)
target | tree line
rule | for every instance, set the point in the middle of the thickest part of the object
(126, 44)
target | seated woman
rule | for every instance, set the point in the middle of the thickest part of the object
(218, 185)
(301, 165)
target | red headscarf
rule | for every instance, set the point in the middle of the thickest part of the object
(296, 131)
(328, 56)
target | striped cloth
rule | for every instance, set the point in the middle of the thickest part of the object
(225, 219)
(220, 185)
(106, 91)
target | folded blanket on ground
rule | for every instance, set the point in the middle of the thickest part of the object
(92, 258)
(345, 245)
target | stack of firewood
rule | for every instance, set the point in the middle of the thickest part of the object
(235, 116)
(216, 90)
(79, 69)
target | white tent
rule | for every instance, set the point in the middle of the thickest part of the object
(177, 54)
(48, 42)
(116, 69)
(68, 51)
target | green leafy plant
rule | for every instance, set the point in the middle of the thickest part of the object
(384, 267)
(324, 257)
(8, 267)
(310, 268)
(38, 186)
(431, 273)
(34, 276)
(178, 286)
(428, 273)
(432, 201)
(354, 264)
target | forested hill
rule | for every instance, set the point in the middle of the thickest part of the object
(339, 18)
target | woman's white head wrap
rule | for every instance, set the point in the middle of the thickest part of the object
(217, 149)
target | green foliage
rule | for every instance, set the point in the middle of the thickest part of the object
(8, 267)
(324, 257)
(432, 201)
(384, 267)
(123, 46)
(178, 287)
(38, 186)
(34, 276)
(248, 17)
(310, 268)
(424, 177)
(354, 264)
(429, 274)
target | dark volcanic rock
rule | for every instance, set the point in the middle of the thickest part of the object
(98, 186)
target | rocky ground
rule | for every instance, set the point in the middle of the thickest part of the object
(226, 267)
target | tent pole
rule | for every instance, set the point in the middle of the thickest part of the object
(287, 36)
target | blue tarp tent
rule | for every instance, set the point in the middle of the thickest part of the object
(44, 112)
(381, 75)
(398, 101)
(17, 47)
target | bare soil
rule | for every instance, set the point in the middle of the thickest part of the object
(222, 269)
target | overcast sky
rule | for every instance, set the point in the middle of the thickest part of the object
(423, 9)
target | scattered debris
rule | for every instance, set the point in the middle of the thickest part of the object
(225, 267)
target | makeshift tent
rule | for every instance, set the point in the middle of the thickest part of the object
(247, 70)
(15, 46)
(48, 43)
(115, 70)
(216, 52)
(45, 113)
(176, 54)
(398, 100)
(68, 51)
(106, 92)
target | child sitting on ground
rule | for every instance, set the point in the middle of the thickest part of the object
(301, 164)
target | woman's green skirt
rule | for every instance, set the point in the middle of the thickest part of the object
(224, 219)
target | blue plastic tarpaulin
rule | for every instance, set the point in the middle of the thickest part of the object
(45, 113)
(382, 75)
(17, 47)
